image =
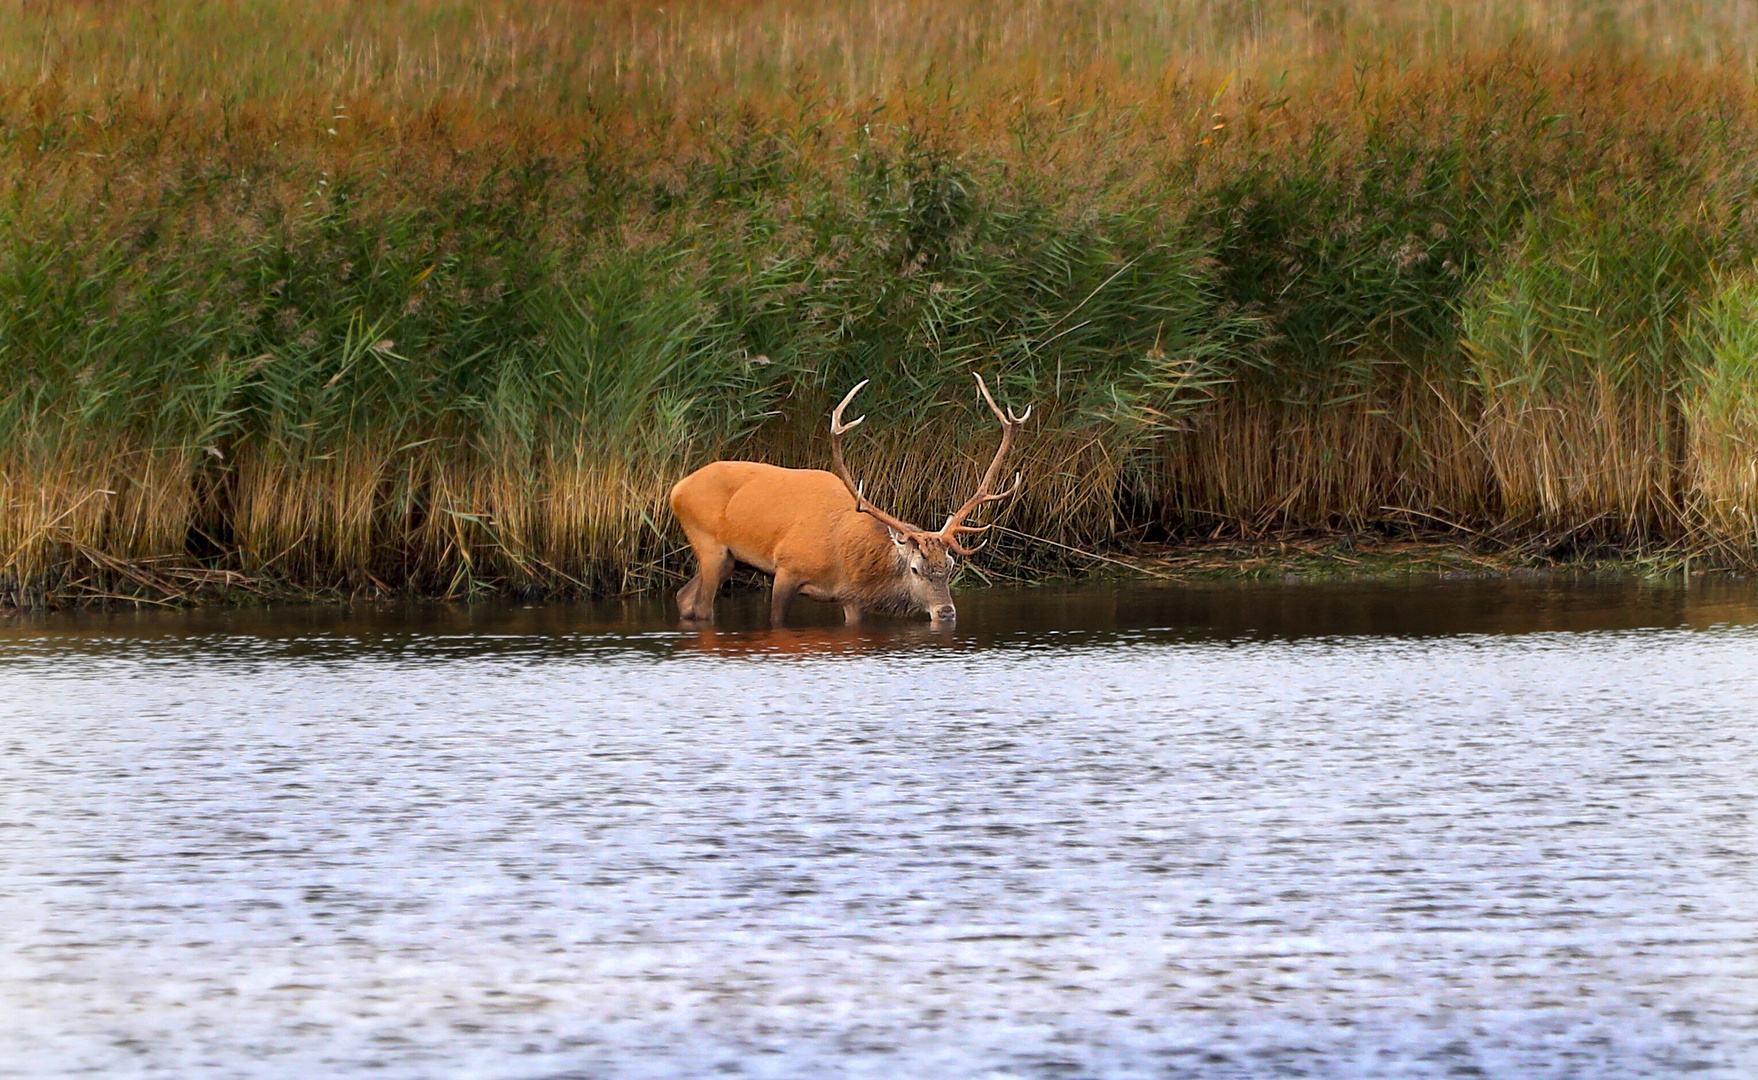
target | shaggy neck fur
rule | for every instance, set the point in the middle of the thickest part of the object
(880, 573)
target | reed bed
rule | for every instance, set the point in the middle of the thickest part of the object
(442, 298)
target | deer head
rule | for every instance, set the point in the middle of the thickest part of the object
(926, 558)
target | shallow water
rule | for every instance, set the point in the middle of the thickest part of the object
(1454, 829)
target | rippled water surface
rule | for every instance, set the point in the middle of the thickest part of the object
(1457, 829)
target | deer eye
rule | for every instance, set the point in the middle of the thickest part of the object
(916, 570)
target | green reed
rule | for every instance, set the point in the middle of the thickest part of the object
(410, 299)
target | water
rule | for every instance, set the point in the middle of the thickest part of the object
(1460, 829)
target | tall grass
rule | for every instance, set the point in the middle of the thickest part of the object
(445, 296)
(1720, 411)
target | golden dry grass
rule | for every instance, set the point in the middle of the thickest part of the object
(443, 297)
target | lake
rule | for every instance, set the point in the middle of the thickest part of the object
(1473, 828)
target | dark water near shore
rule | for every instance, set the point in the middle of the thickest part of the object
(1450, 829)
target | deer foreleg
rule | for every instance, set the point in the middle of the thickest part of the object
(787, 586)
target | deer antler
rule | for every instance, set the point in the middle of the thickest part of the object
(837, 430)
(1010, 425)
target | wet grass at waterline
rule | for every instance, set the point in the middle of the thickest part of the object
(350, 315)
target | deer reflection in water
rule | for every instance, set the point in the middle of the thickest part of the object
(814, 640)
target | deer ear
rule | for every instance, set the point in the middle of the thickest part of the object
(896, 537)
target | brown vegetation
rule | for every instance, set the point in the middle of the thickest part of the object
(444, 297)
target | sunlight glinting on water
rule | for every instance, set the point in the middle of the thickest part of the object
(1202, 843)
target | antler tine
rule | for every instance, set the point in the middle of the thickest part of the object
(1000, 496)
(952, 540)
(1010, 425)
(840, 467)
(994, 408)
(1006, 418)
(837, 427)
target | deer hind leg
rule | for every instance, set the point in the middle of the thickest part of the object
(714, 564)
(687, 597)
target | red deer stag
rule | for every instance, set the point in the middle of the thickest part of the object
(817, 534)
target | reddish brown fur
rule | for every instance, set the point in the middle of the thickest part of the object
(801, 527)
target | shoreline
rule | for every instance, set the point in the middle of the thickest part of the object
(1296, 559)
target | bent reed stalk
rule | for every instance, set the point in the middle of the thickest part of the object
(419, 297)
